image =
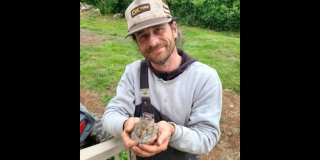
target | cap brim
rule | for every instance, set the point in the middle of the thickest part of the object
(146, 24)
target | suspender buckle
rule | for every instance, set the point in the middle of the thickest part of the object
(144, 92)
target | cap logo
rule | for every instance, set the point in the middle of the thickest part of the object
(140, 9)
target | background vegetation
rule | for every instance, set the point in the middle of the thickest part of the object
(219, 15)
(101, 67)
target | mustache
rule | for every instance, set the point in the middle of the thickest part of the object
(152, 48)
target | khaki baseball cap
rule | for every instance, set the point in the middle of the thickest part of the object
(142, 14)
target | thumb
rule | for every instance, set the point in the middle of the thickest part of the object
(127, 129)
(164, 133)
(129, 124)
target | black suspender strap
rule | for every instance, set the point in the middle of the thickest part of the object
(144, 84)
(146, 105)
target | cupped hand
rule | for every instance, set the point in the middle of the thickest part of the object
(128, 127)
(150, 149)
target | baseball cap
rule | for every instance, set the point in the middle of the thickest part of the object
(142, 14)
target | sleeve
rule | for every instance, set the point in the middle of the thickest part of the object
(121, 107)
(202, 132)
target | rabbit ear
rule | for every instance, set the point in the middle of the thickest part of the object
(151, 122)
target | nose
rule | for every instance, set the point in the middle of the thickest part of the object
(153, 40)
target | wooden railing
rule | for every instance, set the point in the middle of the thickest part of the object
(104, 150)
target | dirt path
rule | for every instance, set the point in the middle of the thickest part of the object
(228, 147)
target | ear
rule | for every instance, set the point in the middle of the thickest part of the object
(151, 122)
(140, 119)
(175, 29)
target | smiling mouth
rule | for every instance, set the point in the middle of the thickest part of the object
(156, 50)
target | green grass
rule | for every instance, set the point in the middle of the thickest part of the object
(222, 120)
(102, 66)
(220, 50)
(102, 25)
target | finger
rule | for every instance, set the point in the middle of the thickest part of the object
(127, 141)
(142, 153)
(134, 152)
(152, 141)
(154, 148)
(129, 124)
(164, 134)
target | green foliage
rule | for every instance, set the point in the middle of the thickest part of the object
(220, 15)
(109, 6)
(123, 156)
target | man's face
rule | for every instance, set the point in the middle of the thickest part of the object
(157, 43)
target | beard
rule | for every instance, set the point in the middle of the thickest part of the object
(160, 59)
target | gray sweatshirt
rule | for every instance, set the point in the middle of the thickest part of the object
(193, 100)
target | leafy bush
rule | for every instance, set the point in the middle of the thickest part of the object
(219, 15)
(109, 6)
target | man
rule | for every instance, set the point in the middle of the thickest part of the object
(183, 94)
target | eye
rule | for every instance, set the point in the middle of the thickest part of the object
(158, 30)
(142, 37)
